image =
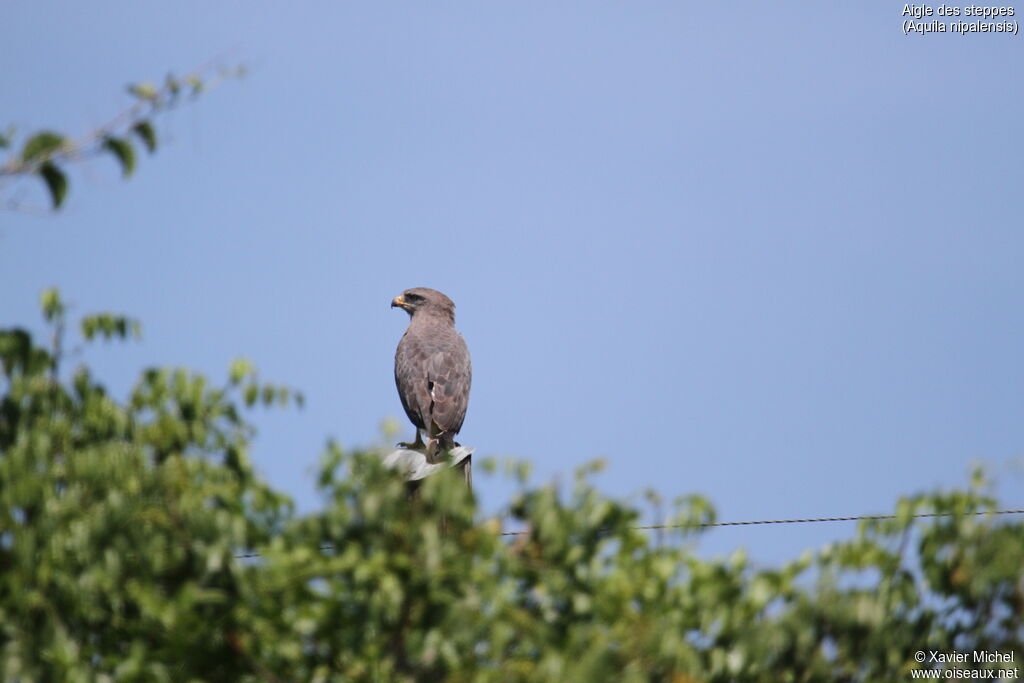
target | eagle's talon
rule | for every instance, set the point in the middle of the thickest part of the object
(416, 445)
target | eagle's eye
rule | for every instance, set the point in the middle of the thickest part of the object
(409, 296)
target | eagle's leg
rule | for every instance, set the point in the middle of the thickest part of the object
(432, 450)
(439, 442)
(417, 445)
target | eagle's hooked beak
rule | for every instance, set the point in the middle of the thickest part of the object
(400, 302)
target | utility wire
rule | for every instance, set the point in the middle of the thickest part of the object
(854, 518)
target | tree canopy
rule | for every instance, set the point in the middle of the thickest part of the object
(137, 543)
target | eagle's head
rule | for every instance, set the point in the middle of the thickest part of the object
(425, 302)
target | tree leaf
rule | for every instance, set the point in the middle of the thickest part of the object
(52, 304)
(123, 150)
(240, 369)
(56, 182)
(144, 129)
(41, 145)
(144, 91)
(173, 85)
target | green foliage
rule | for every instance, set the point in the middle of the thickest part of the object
(123, 151)
(56, 182)
(110, 326)
(137, 543)
(144, 91)
(52, 305)
(47, 155)
(145, 131)
(42, 145)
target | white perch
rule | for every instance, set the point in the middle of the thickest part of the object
(415, 466)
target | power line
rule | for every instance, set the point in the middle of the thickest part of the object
(854, 518)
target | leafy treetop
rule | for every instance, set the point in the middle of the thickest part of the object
(138, 543)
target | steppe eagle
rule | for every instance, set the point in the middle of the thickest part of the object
(433, 372)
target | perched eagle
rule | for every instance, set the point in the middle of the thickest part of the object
(432, 369)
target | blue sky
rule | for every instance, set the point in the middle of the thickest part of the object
(766, 252)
